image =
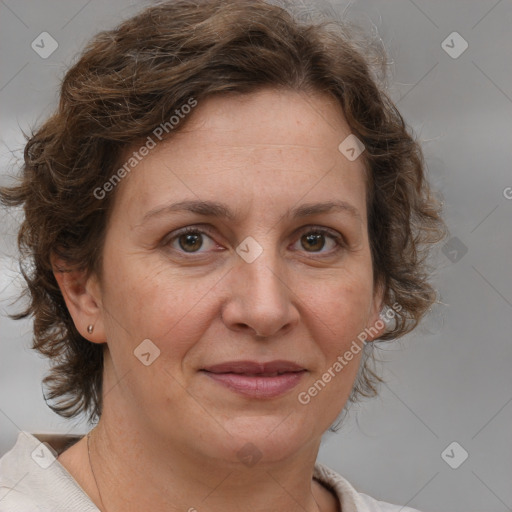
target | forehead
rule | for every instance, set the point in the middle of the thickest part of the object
(269, 146)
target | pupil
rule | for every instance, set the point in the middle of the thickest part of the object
(190, 242)
(315, 241)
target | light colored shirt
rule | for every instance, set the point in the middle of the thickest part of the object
(33, 480)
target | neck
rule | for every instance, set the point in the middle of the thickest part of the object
(124, 464)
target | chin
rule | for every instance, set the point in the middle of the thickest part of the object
(263, 439)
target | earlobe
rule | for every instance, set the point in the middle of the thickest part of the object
(81, 293)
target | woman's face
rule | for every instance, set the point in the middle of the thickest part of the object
(275, 266)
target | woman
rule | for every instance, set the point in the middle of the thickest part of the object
(219, 217)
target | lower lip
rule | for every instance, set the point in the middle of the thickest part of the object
(258, 387)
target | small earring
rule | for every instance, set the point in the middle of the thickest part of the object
(90, 328)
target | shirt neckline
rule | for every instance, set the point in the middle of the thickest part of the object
(347, 496)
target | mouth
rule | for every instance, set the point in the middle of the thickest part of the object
(257, 380)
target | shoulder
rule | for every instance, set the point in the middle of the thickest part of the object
(350, 499)
(15, 471)
(381, 506)
(12, 500)
(33, 480)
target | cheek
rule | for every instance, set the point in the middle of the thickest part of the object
(339, 309)
(173, 312)
(338, 314)
(156, 302)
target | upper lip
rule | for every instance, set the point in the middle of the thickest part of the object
(254, 367)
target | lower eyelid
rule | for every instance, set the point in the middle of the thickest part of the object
(176, 237)
(338, 239)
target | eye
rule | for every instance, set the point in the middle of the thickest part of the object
(191, 240)
(317, 239)
(194, 240)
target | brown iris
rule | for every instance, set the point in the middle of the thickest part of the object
(313, 241)
(190, 242)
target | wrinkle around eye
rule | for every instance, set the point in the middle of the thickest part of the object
(344, 236)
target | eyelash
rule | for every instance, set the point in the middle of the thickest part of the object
(338, 239)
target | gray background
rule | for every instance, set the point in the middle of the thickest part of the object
(448, 381)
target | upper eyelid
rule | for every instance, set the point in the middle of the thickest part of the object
(207, 230)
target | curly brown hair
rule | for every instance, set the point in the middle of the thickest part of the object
(129, 80)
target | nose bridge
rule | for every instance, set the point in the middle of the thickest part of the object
(265, 280)
(259, 296)
(264, 275)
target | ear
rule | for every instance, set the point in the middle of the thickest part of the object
(82, 294)
(376, 326)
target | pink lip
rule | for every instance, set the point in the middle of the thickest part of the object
(257, 380)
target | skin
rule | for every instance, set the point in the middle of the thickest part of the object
(169, 435)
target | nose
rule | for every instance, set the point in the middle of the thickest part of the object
(260, 300)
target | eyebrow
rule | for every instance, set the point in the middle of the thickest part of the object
(221, 210)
